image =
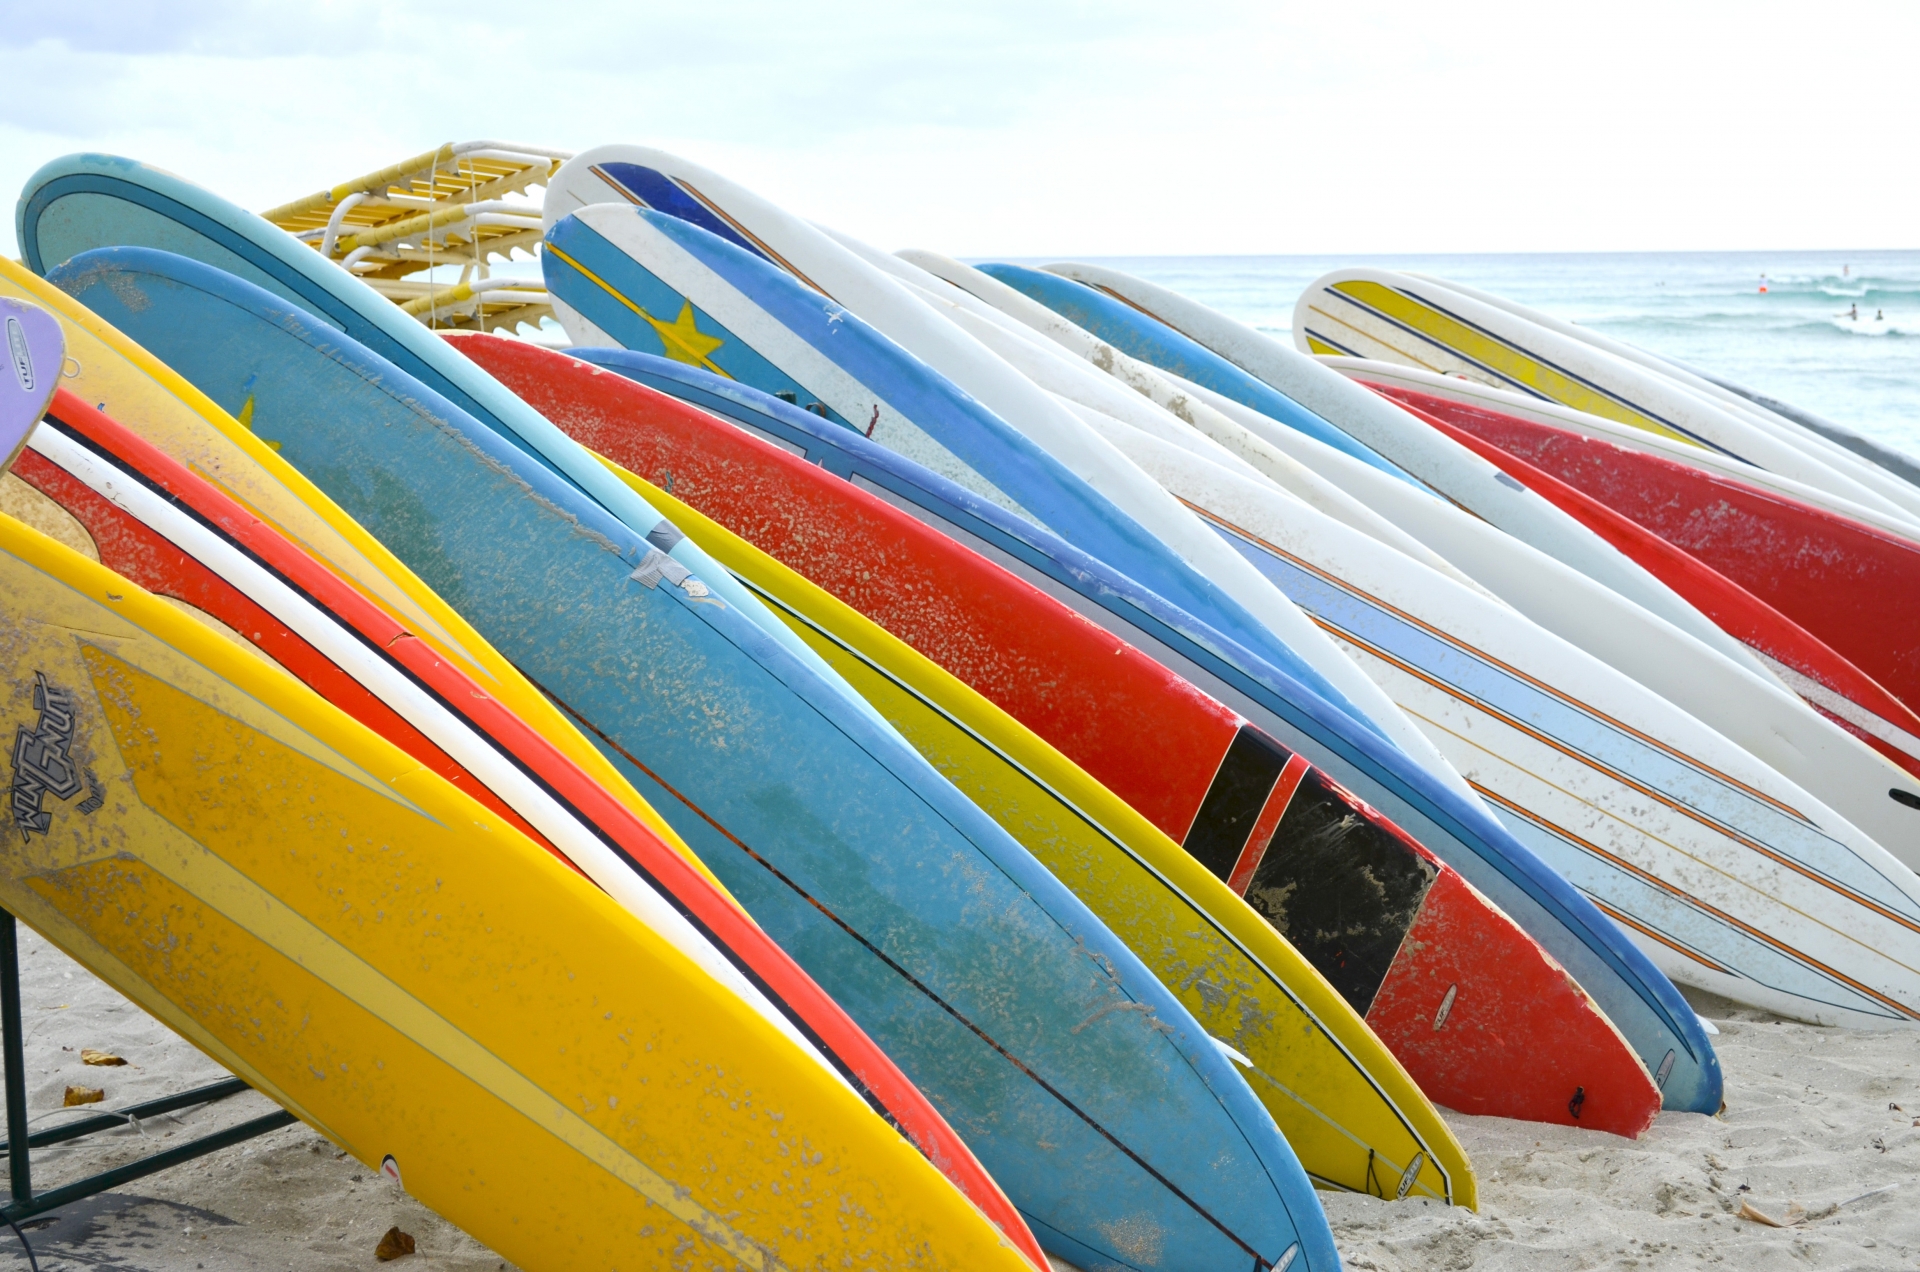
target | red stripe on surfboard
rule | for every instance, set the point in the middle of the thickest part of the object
(1248, 863)
(783, 979)
(1848, 584)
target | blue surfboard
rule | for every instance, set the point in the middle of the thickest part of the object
(81, 202)
(1635, 994)
(738, 316)
(1156, 344)
(987, 981)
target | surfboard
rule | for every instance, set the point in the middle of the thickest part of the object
(83, 202)
(119, 378)
(1264, 724)
(1160, 745)
(1557, 416)
(1826, 681)
(36, 353)
(800, 265)
(154, 522)
(1850, 585)
(1894, 460)
(955, 283)
(1735, 879)
(417, 981)
(942, 937)
(1792, 424)
(1393, 317)
(1723, 684)
(1122, 307)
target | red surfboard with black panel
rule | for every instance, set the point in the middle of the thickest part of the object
(1478, 1013)
(145, 554)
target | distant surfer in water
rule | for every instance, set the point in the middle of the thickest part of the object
(1853, 313)
(1879, 315)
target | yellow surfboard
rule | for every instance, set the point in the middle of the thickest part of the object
(116, 375)
(415, 979)
(1354, 1117)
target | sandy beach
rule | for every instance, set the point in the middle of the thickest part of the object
(1811, 1119)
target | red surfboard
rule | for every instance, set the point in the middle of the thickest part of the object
(163, 527)
(1483, 1019)
(1779, 575)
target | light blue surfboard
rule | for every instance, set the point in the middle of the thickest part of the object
(986, 980)
(81, 202)
(1156, 344)
(1635, 994)
(738, 316)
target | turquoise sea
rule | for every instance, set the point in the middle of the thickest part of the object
(1797, 342)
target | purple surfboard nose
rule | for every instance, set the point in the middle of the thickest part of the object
(35, 351)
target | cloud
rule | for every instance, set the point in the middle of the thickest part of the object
(1028, 127)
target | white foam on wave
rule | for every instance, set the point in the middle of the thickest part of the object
(1865, 326)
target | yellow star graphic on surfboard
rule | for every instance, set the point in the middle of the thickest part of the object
(684, 341)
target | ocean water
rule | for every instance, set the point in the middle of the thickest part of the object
(1796, 342)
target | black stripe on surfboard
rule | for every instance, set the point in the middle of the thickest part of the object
(1340, 887)
(131, 473)
(1241, 784)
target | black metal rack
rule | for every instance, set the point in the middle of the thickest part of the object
(24, 1203)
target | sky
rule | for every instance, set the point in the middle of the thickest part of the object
(1031, 128)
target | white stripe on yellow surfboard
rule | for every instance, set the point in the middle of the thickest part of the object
(1503, 358)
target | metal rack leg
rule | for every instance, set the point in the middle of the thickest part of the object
(19, 1171)
(19, 1141)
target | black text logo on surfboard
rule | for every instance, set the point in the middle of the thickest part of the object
(43, 762)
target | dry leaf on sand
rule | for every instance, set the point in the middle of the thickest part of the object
(83, 1095)
(1796, 1215)
(89, 1056)
(395, 1244)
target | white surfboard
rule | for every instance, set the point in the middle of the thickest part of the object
(1732, 878)
(1394, 317)
(1794, 433)
(1199, 424)
(1442, 463)
(1751, 707)
(1558, 416)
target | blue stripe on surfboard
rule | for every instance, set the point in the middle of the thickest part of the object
(651, 188)
(1139, 335)
(1716, 801)
(1002, 457)
(721, 714)
(1639, 998)
(656, 302)
(1680, 921)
